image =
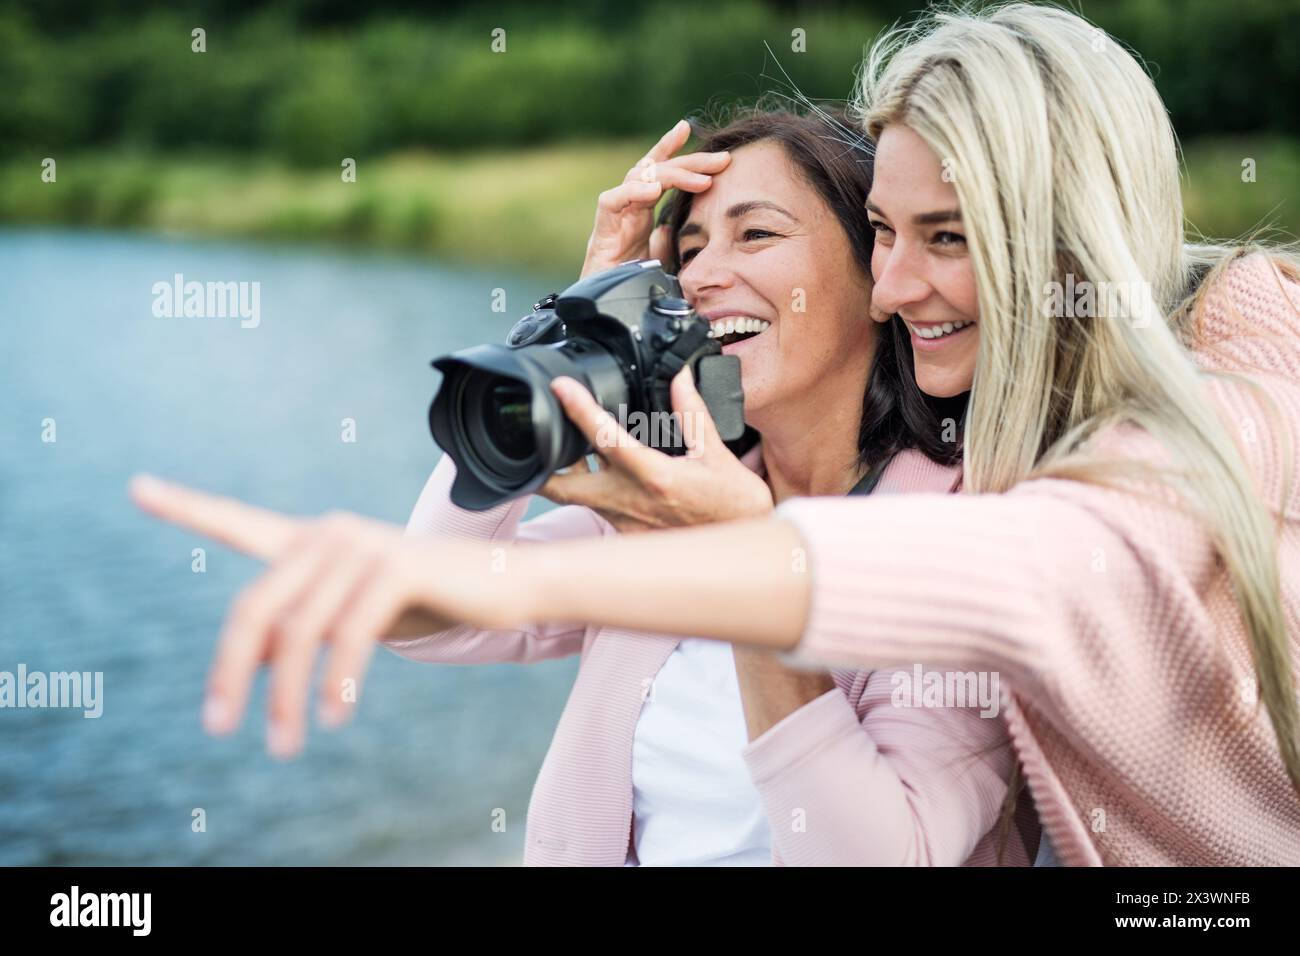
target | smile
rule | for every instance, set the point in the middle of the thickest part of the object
(937, 331)
(737, 328)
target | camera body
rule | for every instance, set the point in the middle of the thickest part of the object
(623, 334)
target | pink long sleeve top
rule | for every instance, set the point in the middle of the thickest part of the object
(868, 782)
(1109, 615)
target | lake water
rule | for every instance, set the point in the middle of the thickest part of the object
(87, 583)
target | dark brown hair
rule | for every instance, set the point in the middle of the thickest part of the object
(836, 160)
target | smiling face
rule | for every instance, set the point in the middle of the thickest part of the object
(762, 253)
(920, 264)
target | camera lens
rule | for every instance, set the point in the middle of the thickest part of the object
(494, 421)
(496, 417)
(508, 417)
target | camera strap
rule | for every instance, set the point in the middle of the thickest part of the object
(867, 484)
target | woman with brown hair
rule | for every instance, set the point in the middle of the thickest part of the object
(677, 751)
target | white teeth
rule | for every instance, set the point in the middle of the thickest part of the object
(737, 324)
(938, 331)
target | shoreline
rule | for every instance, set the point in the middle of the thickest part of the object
(529, 209)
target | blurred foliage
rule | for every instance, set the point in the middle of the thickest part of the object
(1219, 203)
(311, 95)
(481, 156)
(310, 81)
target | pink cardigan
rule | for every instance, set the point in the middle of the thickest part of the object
(1108, 614)
(876, 784)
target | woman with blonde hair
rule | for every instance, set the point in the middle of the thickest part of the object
(675, 751)
(1126, 551)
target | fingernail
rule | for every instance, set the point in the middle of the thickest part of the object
(144, 483)
(330, 715)
(279, 740)
(216, 715)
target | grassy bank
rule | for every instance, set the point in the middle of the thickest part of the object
(530, 208)
(1221, 204)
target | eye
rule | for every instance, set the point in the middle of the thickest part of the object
(949, 239)
(753, 235)
(686, 255)
(879, 226)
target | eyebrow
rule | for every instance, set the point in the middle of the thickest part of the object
(924, 218)
(736, 211)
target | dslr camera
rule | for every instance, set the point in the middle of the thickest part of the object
(623, 333)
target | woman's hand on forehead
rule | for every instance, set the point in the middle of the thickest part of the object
(625, 215)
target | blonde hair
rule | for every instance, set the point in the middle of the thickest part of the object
(1065, 164)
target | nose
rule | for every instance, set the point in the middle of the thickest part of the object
(708, 271)
(899, 278)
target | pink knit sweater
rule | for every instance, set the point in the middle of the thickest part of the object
(868, 782)
(1108, 615)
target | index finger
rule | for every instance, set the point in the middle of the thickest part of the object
(255, 531)
(670, 142)
(608, 438)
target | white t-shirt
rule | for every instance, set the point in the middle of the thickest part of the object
(693, 802)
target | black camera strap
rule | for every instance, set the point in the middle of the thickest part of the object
(867, 484)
